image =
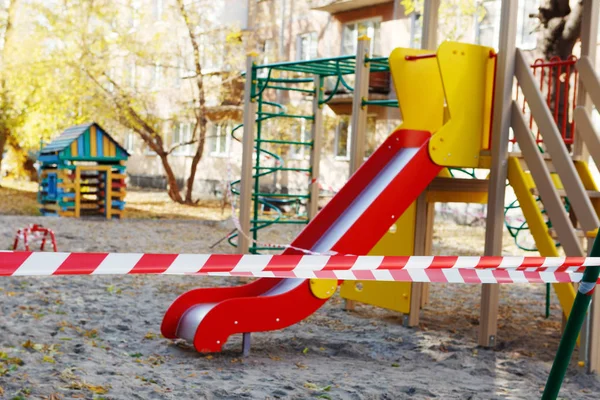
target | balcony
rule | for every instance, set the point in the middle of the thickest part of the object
(338, 6)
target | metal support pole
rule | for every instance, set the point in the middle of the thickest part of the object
(569, 338)
(488, 324)
(358, 122)
(317, 144)
(430, 24)
(248, 150)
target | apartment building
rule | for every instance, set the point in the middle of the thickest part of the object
(286, 30)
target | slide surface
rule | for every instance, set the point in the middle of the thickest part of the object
(351, 223)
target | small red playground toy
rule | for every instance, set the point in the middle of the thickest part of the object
(32, 234)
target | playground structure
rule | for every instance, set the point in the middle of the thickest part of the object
(82, 172)
(472, 132)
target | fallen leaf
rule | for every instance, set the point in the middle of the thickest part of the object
(92, 333)
(395, 365)
(96, 389)
(28, 344)
(150, 336)
(136, 355)
(311, 386)
(48, 359)
(305, 351)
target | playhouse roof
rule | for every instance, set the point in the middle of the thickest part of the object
(63, 141)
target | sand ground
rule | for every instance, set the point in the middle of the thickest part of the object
(98, 337)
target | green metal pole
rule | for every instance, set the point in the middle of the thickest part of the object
(547, 300)
(574, 323)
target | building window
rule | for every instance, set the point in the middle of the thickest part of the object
(157, 76)
(416, 29)
(211, 52)
(268, 50)
(526, 28)
(182, 134)
(353, 30)
(220, 138)
(300, 132)
(158, 9)
(130, 141)
(307, 46)
(132, 75)
(110, 77)
(342, 138)
(134, 16)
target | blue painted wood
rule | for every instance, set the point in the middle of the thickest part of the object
(80, 148)
(99, 144)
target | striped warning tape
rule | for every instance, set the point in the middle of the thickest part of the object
(379, 268)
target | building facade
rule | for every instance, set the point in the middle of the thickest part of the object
(286, 30)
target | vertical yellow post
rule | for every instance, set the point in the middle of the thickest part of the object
(77, 191)
(108, 193)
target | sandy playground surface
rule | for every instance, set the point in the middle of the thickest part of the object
(98, 337)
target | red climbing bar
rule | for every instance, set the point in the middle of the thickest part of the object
(419, 57)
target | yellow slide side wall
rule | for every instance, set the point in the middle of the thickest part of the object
(400, 241)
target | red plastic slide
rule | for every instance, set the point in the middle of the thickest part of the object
(351, 223)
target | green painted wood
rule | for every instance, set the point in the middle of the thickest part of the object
(86, 143)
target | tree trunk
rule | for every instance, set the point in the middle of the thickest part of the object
(194, 167)
(6, 105)
(172, 187)
(201, 120)
(3, 140)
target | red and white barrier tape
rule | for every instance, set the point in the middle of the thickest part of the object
(378, 268)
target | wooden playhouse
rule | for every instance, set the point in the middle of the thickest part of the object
(79, 170)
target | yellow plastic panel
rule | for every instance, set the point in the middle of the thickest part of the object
(522, 183)
(323, 288)
(399, 241)
(467, 75)
(419, 90)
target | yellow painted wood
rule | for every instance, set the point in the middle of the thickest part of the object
(45, 172)
(119, 176)
(522, 183)
(467, 74)
(74, 152)
(419, 90)
(65, 185)
(108, 192)
(323, 288)
(53, 207)
(457, 197)
(399, 241)
(77, 191)
(587, 179)
(105, 149)
(93, 143)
